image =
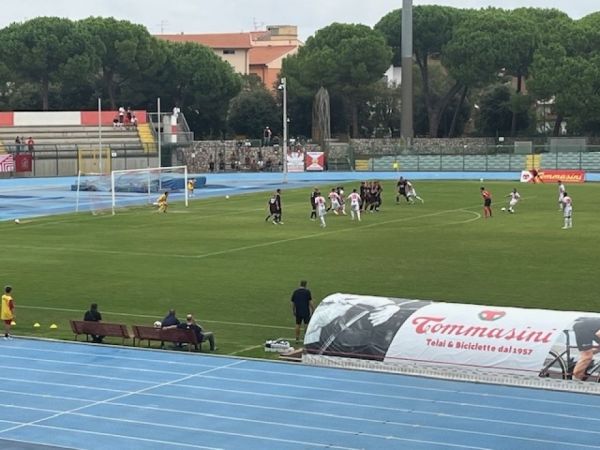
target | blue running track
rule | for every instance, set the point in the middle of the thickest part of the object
(85, 396)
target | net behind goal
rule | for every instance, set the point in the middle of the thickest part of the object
(128, 188)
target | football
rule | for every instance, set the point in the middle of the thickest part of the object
(502, 209)
(227, 197)
(158, 324)
(17, 221)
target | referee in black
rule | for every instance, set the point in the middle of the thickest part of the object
(302, 307)
(313, 203)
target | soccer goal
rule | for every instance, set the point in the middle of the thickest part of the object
(142, 186)
(98, 192)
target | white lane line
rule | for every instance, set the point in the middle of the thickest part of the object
(306, 376)
(247, 349)
(121, 396)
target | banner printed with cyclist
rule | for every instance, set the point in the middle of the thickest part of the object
(511, 340)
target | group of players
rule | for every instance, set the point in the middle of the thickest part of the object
(565, 204)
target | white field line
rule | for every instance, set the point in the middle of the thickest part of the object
(237, 249)
(155, 316)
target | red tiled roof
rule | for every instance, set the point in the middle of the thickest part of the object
(217, 40)
(264, 55)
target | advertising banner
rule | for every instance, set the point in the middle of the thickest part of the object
(395, 330)
(552, 176)
(295, 159)
(315, 161)
(23, 162)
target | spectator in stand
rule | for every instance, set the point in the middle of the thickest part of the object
(30, 144)
(129, 115)
(116, 122)
(267, 134)
(93, 315)
(201, 335)
(18, 145)
(121, 115)
(134, 121)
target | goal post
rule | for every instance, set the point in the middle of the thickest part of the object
(92, 191)
(148, 182)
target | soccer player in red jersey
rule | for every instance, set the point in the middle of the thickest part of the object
(487, 203)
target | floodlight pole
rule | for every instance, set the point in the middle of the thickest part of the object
(406, 127)
(159, 122)
(285, 129)
(99, 135)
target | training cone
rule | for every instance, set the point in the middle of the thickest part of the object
(53, 326)
(36, 325)
(13, 323)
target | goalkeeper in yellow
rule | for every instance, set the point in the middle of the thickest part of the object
(162, 202)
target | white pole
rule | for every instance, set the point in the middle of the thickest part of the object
(100, 134)
(159, 133)
(159, 142)
(285, 129)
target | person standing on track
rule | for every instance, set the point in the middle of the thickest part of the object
(8, 311)
(487, 203)
(302, 307)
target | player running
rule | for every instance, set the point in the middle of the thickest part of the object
(514, 199)
(313, 204)
(401, 187)
(321, 210)
(355, 203)
(487, 203)
(567, 207)
(411, 194)
(334, 201)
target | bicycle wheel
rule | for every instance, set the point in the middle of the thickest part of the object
(554, 366)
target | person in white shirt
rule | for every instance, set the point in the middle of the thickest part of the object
(514, 199)
(334, 201)
(567, 207)
(355, 202)
(321, 209)
(561, 194)
(411, 194)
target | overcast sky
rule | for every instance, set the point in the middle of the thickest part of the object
(209, 16)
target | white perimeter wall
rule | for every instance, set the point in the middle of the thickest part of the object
(47, 118)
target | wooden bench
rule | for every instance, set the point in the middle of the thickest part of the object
(178, 335)
(99, 329)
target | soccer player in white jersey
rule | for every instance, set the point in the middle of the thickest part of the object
(334, 201)
(321, 210)
(514, 199)
(561, 194)
(567, 205)
(355, 201)
(411, 194)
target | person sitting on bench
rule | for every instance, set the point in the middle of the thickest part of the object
(93, 315)
(201, 335)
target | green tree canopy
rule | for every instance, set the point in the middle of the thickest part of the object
(345, 59)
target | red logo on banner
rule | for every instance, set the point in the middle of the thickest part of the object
(490, 316)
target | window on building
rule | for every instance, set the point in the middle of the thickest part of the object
(229, 51)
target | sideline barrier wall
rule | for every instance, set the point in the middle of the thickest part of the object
(505, 345)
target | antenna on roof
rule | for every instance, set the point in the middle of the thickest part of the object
(162, 25)
(257, 25)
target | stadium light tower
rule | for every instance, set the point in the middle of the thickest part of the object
(406, 127)
(283, 88)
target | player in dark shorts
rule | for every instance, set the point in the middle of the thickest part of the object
(279, 208)
(487, 202)
(401, 186)
(302, 307)
(313, 203)
(272, 205)
(363, 194)
(587, 335)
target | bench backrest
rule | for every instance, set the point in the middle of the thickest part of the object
(170, 334)
(99, 328)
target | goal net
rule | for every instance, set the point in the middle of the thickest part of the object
(98, 192)
(136, 187)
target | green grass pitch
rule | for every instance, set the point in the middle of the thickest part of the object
(220, 260)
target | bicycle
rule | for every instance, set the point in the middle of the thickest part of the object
(560, 363)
